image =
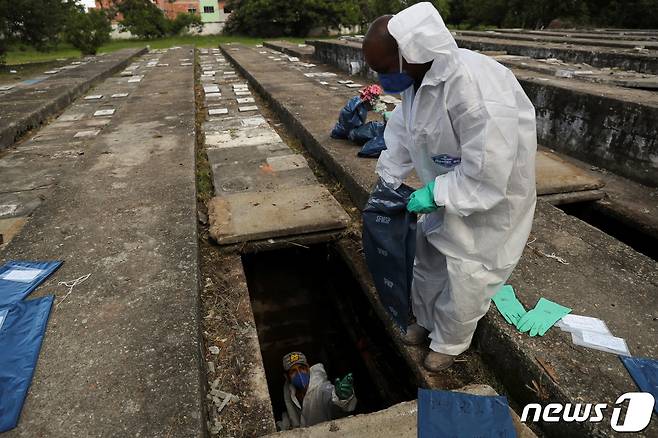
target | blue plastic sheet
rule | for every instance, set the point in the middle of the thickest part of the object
(645, 374)
(447, 414)
(389, 244)
(352, 116)
(20, 341)
(14, 276)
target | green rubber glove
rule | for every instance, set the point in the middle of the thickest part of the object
(422, 200)
(542, 317)
(507, 304)
(344, 387)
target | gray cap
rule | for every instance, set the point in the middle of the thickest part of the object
(293, 358)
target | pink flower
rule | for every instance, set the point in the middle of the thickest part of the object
(371, 93)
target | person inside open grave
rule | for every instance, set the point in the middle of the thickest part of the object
(468, 130)
(310, 397)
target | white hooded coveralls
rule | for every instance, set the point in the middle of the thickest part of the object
(320, 402)
(471, 128)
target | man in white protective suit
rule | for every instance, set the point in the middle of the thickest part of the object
(468, 130)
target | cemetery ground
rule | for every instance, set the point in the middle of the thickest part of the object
(220, 225)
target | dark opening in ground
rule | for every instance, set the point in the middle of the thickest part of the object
(308, 300)
(615, 227)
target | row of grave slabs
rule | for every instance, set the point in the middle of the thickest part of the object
(27, 181)
(269, 209)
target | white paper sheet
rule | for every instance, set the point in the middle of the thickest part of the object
(571, 323)
(26, 275)
(599, 341)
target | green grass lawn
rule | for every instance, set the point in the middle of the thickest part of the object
(24, 55)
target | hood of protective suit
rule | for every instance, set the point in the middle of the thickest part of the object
(422, 36)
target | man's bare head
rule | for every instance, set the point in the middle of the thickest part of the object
(380, 49)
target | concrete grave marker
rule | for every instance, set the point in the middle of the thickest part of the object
(217, 111)
(70, 117)
(6, 87)
(249, 216)
(135, 79)
(248, 108)
(213, 96)
(251, 136)
(353, 85)
(94, 97)
(229, 73)
(243, 93)
(116, 95)
(105, 112)
(245, 100)
(87, 134)
(211, 89)
(51, 72)
(324, 83)
(185, 64)
(7, 209)
(345, 82)
(163, 65)
(253, 121)
(286, 162)
(209, 73)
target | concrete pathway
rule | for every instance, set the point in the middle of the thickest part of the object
(263, 190)
(121, 352)
(566, 260)
(26, 105)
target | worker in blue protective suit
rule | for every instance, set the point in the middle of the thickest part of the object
(310, 397)
(468, 130)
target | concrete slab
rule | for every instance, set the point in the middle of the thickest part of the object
(555, 175)
(258, 176)
(589, 283)
(241, 137)
(262, 215)
(56, 93)
(121, 354)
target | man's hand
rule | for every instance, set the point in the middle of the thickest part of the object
(422, 200)
(344, 387)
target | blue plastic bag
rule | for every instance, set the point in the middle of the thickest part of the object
(366, 132)
(645, 375)
(352, 116)
(21, 335)
(448, 414)
(19, 278)
(374, 147)
(389, 244)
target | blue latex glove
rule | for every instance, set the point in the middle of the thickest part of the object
(538, 320)
(422, 200)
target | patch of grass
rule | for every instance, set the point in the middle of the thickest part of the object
(20, 54)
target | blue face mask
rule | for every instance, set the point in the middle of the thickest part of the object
(300, 380)
(395, 83)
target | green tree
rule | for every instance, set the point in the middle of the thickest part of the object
(88, 31)
(38, 23)
(290, 17)
(142, 18)
(184, 22)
